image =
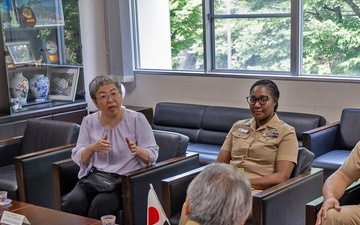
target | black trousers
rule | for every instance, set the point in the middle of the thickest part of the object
(92, 205)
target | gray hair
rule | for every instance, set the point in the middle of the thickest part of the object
(101, 80)
(219, 195)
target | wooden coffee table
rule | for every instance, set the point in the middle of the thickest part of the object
(38, 215)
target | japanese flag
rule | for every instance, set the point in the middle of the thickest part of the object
(155, 212)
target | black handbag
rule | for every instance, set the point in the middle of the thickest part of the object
(99, 181)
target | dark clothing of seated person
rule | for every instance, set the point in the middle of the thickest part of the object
(264, 148)
(115, 140)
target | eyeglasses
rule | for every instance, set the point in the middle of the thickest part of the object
(262, 100)
(104, 97)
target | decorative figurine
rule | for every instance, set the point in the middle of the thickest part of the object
(15, 104)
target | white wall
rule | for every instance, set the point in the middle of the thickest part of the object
(92, 37)
(324, 98)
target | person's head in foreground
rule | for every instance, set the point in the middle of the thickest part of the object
(219, 195)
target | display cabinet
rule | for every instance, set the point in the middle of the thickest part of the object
(40, 60)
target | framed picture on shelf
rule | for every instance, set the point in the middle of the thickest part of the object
(20, 52)
(9, 60)
(63, 83)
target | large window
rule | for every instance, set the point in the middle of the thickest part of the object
(170, 34)
(72, 38)
(313, 37)
(252, 35)
(331, 37)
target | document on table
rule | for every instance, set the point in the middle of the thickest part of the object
(13, 218)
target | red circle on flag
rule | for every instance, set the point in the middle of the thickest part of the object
(154, 215)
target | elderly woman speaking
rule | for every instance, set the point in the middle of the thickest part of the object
(114, 140)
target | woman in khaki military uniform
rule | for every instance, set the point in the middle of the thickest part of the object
(263, 147)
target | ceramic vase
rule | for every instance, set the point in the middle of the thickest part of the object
(19, 88)
(39, 87)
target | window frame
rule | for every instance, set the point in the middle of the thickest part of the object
(209, 70)
(210, 16)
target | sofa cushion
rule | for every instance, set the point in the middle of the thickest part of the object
(220, 118)
(217, 121)
(193, 134)
(8, 180)
(301, 122)
(349, 129)
(204, 148)
(170, 144)
(304, 161)
(42, 134)
(331, 161)
(207, 152)
(206, 159)
(179, 117)
(9, 150)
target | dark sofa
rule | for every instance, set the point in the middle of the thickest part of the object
(333, 143)
(39, 135)
(37, 167)
(172, 160)
(207, 126)
(288, 197)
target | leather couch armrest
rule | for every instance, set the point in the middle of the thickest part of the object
(322, 139)
(135, 185)
(289, 198)
(9, 148)
(174, 191)
(34, 175)
(65, 174)
(350, 197)
(312, 208)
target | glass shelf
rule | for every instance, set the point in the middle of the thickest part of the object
(40, 38)
(32, 13)
(32, 105)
